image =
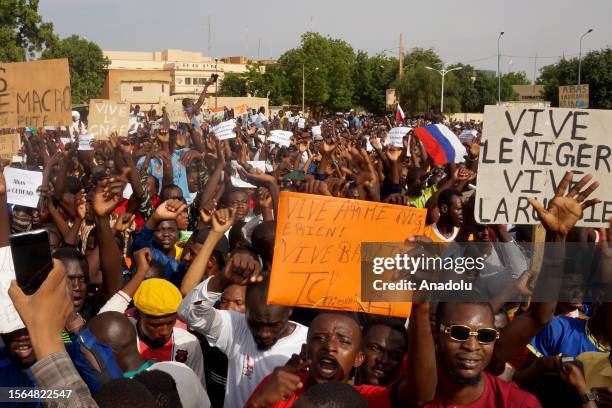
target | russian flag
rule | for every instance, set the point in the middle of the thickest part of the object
(399, 113)
(441, 144)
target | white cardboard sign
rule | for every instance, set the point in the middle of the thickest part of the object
(225, 130)
(85, 141)
(282, 137)
(396, 136)
(21, 186)
(237, 181)
(526, 152)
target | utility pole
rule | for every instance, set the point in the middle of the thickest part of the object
(259, 50)
(401, 55)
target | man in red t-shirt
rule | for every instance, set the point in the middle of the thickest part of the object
(333, 349)
(465, 338)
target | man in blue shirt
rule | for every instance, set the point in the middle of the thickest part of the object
(168, 210)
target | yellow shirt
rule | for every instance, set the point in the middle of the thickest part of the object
(597, 368)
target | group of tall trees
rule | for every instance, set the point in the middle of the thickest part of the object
(25, 36)
(336, 76)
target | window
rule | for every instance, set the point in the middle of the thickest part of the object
(202, 81)
(162, 87)
(196, 81)
(137, 88)
(187, 81)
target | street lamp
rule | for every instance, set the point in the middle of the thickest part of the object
(443, 73)
(498, 73)
(304, 85)
(580, 53)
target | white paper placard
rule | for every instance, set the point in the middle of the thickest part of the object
(9, 318)
(316, 131)
(85, 141)
(21, 186)
(282, 137)
(301, 123)
(237, 181)
(225, 130)
(396, 136)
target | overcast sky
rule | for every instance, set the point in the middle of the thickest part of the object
(460, 31)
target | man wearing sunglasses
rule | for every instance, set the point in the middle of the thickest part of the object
(462, 349)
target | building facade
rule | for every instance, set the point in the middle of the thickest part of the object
(149, 78)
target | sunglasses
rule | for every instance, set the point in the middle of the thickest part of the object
(459, 332)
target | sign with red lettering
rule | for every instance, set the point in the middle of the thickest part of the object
(526, 152)
(35, 93)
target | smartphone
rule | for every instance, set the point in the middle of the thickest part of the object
(32, 259)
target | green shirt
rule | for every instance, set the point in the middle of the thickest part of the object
(421, 200)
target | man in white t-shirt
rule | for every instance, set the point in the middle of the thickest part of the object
(255, 343)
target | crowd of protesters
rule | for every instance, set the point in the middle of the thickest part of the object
(158, 299)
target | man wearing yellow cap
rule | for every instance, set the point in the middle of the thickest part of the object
(157, 302)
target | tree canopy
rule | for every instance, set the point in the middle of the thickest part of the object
(87, 66)
(596, 71)
(23, 33)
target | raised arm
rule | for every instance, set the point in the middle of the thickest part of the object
(222, 220)
(562, 214)
(106, 198)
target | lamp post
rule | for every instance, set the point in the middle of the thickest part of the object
(443, 73)
(580, 53)
(498, 73)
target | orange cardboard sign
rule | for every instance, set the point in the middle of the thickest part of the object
(240, 110)
(317, 252)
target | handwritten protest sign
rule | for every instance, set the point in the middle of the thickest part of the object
(9, 318)
(21, 186)
(225, 130)
(574, 96)
(396, 136)
(237, 181)
(526, 152)
(282, 137)
(9, 146)
(174, 112)
(317, 250)
(106, 117)
(301, 123)
(35, 93)
(85, 141)
(316, 131)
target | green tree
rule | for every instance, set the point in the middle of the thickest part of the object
(372, 77)
(328, 68)
(420, 88)
(22, 30)
(233, 85)
(87, 64)
(596, 71)
(266, 82)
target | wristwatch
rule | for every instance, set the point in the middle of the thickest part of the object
(589, 396)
